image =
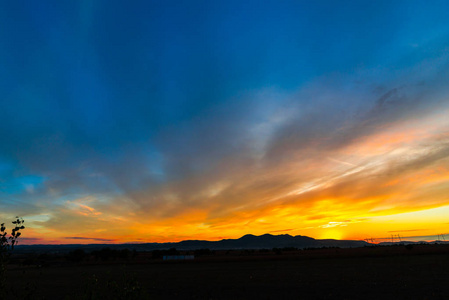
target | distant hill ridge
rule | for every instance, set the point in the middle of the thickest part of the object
(249, 241)
(269, 241)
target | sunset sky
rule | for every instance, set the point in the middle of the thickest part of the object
(157, 121)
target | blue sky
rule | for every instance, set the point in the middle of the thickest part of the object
(143, 105)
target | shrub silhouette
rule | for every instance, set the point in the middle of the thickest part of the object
(7, 244)
(104, 254)
(107, 253)
(409, 247)
(205, 251)
(277, 251)
(77, 255)
(124, 253)
(161, 253)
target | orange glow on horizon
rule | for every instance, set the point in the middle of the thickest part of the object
(430, 221)
(393, 182)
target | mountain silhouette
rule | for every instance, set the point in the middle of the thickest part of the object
(266, 241)
(249, 241)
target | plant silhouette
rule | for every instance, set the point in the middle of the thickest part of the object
(7, 244)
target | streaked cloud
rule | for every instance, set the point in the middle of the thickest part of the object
(87, 238)
(213, 120)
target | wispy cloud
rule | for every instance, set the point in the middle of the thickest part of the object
(88, 238)
(407, 230)
(228, 130)
(282, 230)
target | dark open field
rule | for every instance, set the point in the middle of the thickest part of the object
(365, 273)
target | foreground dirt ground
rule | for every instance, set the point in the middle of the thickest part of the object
(296, 276)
